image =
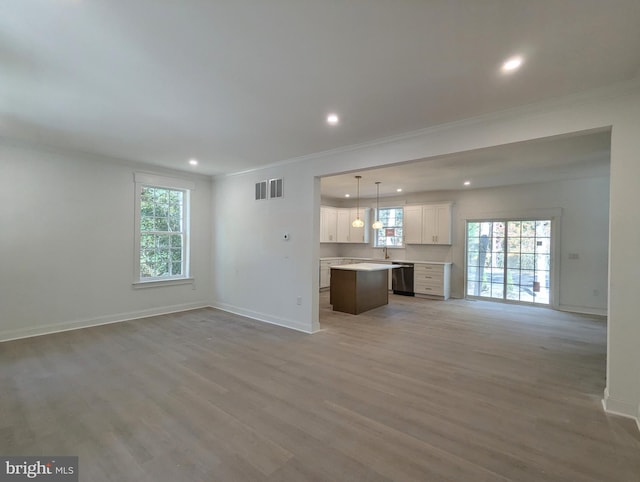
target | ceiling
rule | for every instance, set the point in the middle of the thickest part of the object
(543, 160)
(246, 83)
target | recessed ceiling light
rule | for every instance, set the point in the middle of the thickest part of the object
(333, 119)
(512, 64)
(347, 195)
(399, 189)
(193, 162)
(467, 183)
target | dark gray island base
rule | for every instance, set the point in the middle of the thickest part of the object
(356, 288)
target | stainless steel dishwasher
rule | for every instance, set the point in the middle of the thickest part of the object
(402, 279)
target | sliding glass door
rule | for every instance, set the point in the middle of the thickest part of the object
(509, 260)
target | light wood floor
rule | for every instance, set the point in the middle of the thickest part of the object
(416, 390)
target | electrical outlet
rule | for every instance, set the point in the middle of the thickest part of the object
(299, 300)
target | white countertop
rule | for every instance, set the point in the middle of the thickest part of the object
(380, 260)
(366, 266)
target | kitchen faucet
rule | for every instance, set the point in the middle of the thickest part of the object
(386, 254)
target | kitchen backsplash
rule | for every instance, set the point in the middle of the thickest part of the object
(329, 250)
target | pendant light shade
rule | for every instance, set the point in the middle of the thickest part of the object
(377, 224)
(358, 223)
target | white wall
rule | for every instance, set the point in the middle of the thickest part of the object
(618, 107)
(622, 394)
(583, 230)
(255, 272)
(67, 243)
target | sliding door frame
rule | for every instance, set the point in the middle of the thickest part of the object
(552, 214)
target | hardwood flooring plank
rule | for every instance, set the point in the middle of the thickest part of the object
(414, 390)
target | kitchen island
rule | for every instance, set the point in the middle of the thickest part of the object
(356, 288)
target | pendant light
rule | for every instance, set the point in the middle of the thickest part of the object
(378, 223)
(358, 223)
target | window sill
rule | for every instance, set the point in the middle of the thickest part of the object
(162, 282)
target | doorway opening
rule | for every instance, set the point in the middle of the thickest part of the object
(509, 260)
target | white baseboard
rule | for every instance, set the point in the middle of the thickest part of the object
(621, 408)
(292, 324)
(582, 310)
(48, 329)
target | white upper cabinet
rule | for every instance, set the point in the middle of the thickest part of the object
(412, 225)
(359, 235)
(336, 225)
(344, 226)
(436, 224)
(427, 224)
(328, 224)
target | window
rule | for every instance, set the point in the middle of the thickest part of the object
(390, 235)
(509, 260)
(162, 228)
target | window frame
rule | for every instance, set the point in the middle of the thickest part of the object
(506, 271)
(142, 180)
(375, 234)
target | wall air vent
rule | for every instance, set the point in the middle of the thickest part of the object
(275, 188)
(261, 190)
(271, 189)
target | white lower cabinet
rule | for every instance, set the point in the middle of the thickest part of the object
(325, 269)
(432, 279)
